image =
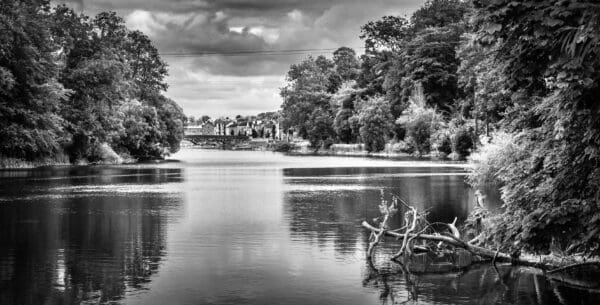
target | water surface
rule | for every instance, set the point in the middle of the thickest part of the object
(227, 227)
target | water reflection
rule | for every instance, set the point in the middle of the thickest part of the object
(64, 242)
(225, 227)
(328, 213)
(482, 284)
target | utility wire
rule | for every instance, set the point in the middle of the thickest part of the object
(431, 45)
(247, 52)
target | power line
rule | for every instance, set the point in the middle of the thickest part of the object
(248, 52)
(287, 52)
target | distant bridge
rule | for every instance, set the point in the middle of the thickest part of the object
(222, 139)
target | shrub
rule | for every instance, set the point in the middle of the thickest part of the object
(491, 158)
(419, 131)
(445, 146)
(375, 121)
(402, 146)
(463, 142)
(283, 147)
(420, 122)
(105, 154)
(320, 128)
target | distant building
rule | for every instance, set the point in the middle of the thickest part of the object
(207, 128)
(231, 129)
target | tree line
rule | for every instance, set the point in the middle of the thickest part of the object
(519, 80)
(80, 88)
(408, 89)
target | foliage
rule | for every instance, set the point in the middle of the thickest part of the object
(420, 122)
(401, 54)
(375, 122)
(307, 90)
(346, 63)
(552, 193)
(481, 82)
(64, 79)
(439, 13)
(492, 157)
(283, 147)
(445, 146)
(342, 126)
(462, 142)
(321, 131)
(419, 133)
(29, 92)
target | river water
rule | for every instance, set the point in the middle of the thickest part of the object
(233, 227)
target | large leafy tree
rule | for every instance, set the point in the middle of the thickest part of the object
(346, 63)
(439, 13)
(401, 54)
(30, 94)
(320, 131)
(66, 78)
(551, 53)
(430, 59)
(375, 122)
(309, 84)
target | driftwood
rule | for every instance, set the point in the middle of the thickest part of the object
(547, 262)
(411, 232)
(388, 211)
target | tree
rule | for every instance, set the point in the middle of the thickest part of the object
(439, 13)
(551, 191)
(77, 83)
(431, 61)
(342, 126)
(30, 94)
(420, 122)
(320, 132)
(147, 70)
(481, 83)
(346, 63)
(383, 38)
(375, 122)
(400, 54)
(307, 90)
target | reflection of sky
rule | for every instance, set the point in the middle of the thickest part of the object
(259, 231)
(228, 228)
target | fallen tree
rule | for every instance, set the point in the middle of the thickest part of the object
(417, 228)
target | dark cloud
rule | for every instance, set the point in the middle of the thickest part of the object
(200, 26)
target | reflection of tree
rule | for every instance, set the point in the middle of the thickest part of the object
(91, 248)
(334, 214)
(479, 285)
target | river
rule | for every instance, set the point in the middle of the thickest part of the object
(235, 227)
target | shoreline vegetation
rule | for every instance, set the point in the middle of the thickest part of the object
(511, 85)
(76, 89)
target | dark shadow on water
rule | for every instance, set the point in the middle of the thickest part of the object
(82, 241)
(481, 284)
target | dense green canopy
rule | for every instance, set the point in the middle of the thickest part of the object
(69, 83)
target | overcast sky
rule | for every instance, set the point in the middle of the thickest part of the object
(249, 84)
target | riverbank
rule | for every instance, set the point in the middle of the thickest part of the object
(391, 151)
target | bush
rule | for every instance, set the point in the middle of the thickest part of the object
(283, 147)
(463, 142)
(419, 131)
(375, 121)
(420, 122)
(491, 158)
(404, 147)
(445, 146)
(105, 154)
